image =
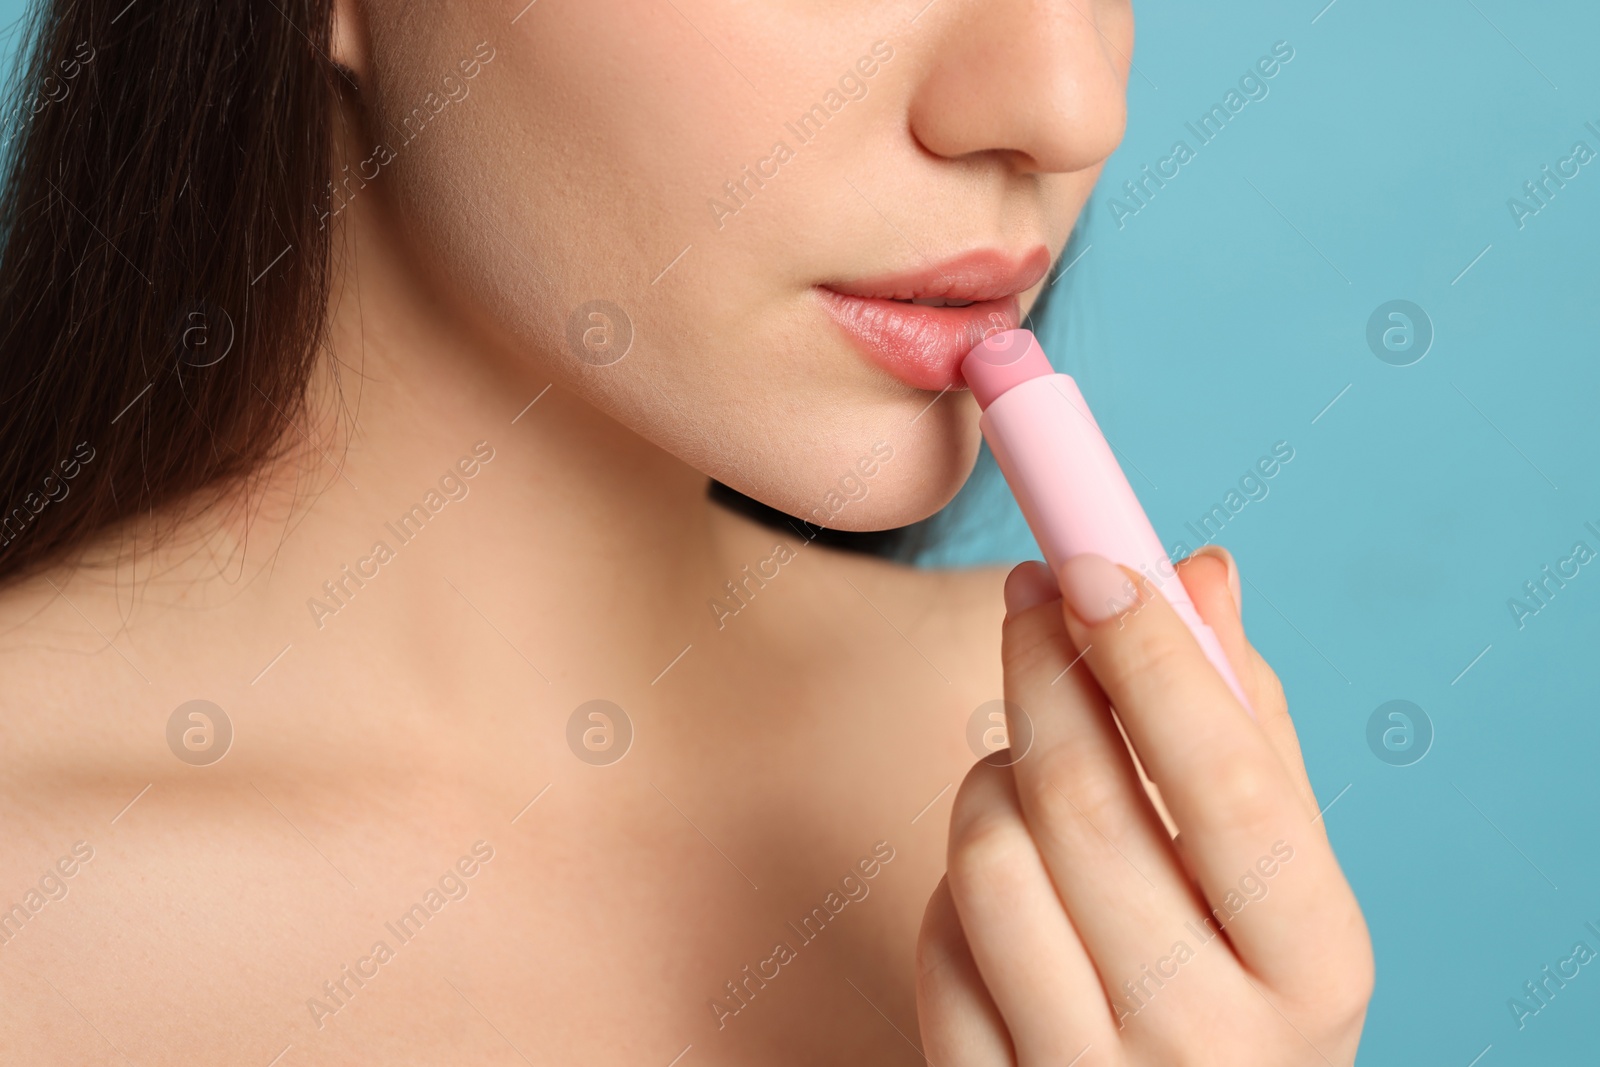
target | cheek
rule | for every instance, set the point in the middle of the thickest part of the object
(578, 166)
(579, 169)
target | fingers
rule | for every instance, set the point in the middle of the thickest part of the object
(1026, 948)
(960, 1025)
(1263, 869)
(1212, 578)
(1029, 584)
(1085, 805)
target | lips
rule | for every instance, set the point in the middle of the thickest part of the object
(918, 325)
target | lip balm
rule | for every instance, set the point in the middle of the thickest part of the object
(1068, 483)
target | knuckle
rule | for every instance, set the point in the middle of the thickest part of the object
(1072, 793)
(989, 857)
(1096, 1055)
(1244, 790)
(1143, 659)
(1363, 978)
(932, 956)
(1347, 982)
(979, 791)
(1268, 686)
(939, 940)
(1070, 1044)
(1029, 643)
(1350, 1002)
(1338, 1003)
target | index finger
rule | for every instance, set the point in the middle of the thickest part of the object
(1267, 875)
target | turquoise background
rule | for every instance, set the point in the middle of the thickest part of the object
(1225, 316)
(1228, 312)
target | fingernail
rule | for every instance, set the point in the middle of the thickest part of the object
(1095, 588)
(1233, 573)
(1028, 585)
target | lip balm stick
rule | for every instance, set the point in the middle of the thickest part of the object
(1066, 479)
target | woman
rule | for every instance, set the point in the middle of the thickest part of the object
(382, 684)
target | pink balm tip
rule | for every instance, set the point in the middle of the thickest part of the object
(1002, 362)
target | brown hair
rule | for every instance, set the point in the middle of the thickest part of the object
(165, 261)
(163, 269)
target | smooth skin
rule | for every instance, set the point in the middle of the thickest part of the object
(1234, 900)
(772, 750)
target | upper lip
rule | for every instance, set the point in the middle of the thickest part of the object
(976, 276)
(984, 274)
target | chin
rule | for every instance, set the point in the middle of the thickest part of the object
(881, 483)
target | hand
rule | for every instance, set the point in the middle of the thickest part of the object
(1078, 922)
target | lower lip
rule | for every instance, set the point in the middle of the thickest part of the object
(921, 346)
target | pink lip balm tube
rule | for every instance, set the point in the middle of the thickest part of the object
(1066, 479)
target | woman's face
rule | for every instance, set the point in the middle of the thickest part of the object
(740, 200)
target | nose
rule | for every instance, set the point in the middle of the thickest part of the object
(1040, 82)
